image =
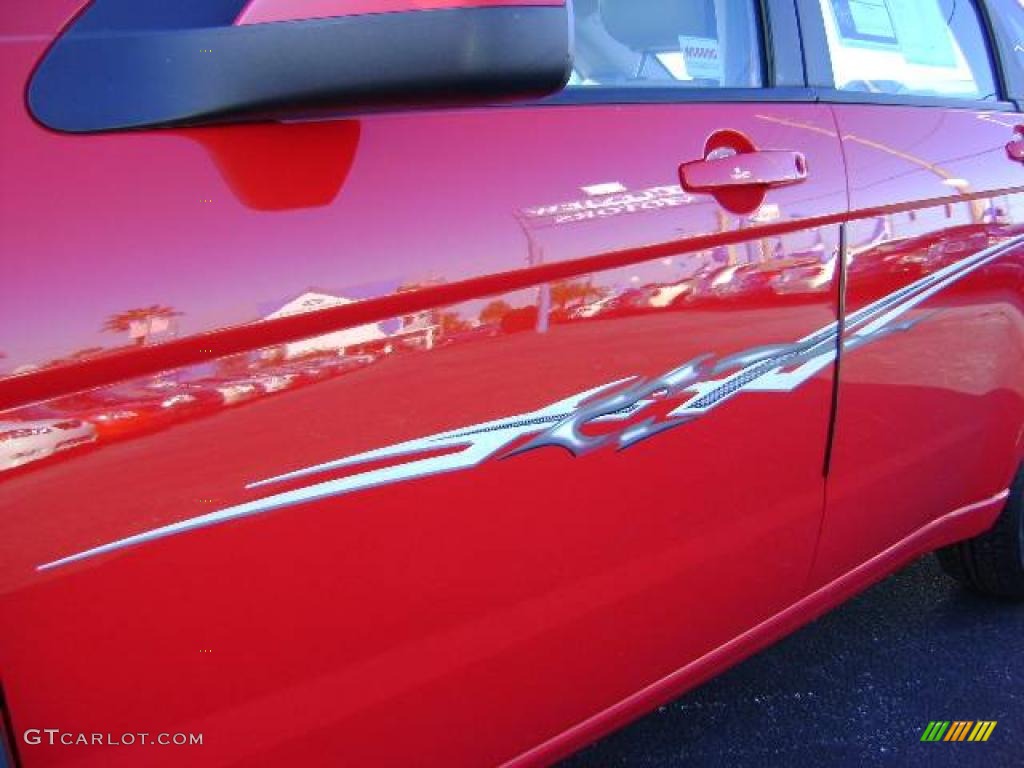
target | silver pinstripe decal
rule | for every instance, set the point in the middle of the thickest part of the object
(776, 368)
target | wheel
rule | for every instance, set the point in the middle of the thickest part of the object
(993, 563)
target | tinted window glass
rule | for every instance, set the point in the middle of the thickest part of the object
(684, 43)
(922, 47)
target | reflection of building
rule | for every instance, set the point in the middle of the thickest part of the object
(338, 342)
(417, 330)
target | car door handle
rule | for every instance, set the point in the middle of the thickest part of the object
(763, 168)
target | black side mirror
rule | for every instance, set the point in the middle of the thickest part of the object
(167, 71)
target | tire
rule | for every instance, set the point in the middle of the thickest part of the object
(993, 563)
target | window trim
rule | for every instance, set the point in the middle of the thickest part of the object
(817, 60)
(784, 62)
(836, 96)
(670, 95)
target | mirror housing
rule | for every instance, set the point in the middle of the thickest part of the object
(483, 51)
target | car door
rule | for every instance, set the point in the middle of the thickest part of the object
(931, 391)
(417, 437)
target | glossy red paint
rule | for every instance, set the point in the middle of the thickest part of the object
(264, 11)
(954, 526)
(950, 391)
(534, 600)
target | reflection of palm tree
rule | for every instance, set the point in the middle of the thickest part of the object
(577, 292)
(139, 322)
(493, 312)
(450, 322)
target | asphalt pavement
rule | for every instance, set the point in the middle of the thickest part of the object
(855, 688)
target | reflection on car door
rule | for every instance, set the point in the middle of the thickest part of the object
(928, 413)
(529, 586)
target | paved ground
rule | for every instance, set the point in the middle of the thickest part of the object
(855, 688)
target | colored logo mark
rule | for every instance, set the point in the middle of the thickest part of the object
(958, 730)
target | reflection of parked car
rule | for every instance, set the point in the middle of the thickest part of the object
(878, 268)
(306, 371)
(123, 412)
(471, 334)
(633, 301)
(232, 391)
(627, 302)
(593, 309)
(345, 363)
(670, 295)
(190, 399)
(22, 442)
(803, 276)
(741, 281)
(273, 382)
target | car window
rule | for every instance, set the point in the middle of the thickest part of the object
(920, 47)
(676, 43)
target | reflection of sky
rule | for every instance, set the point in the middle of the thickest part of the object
(356, 292)
(124, 246)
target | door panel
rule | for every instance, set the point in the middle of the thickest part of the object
(930, 413)
(380, 282)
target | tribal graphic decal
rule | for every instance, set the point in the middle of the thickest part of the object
(618, 414)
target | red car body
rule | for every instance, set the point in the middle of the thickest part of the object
(509, 607)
